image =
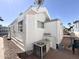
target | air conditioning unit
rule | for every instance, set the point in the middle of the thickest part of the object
(41, 48)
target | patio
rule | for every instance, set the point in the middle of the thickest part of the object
(13, 52)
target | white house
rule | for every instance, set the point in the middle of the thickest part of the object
(3, 30)
(76, 28)
(34, 25)
(76, 25)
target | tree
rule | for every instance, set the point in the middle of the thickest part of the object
(1, 19)
(70, 27)
(69, 24)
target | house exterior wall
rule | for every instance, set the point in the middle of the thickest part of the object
(50, 27)
(33, 33)
(14, 30)
(16, 36)
(55, 29)
(76, 27)
(59, 31)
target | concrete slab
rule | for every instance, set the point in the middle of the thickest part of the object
(1, 48)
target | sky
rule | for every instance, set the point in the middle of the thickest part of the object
(65, 10)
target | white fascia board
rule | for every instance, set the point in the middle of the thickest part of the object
(42, 10)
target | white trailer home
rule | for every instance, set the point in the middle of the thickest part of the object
(34, 25)
(75, 29)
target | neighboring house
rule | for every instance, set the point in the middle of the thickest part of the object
(3, 30)
(76, 28)
(34, 25)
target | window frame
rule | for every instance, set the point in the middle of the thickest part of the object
(20, 26)
(40, 24)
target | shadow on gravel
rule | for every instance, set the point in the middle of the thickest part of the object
(22, 55)
(25, 56)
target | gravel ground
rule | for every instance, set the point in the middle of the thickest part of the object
(13, 52)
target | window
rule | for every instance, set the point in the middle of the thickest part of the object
(20, 26)
(40, 24)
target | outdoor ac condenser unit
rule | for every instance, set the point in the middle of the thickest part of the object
(41, 48)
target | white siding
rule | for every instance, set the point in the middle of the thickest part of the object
(55, 29)
(33, 32)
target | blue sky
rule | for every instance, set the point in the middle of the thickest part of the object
(66, 10)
